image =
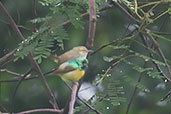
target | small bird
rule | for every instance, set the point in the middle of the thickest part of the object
(79, 51)
(72, 70)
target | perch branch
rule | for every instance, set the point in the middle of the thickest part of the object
(69, 108)
(56, 111)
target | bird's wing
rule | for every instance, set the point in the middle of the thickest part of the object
(67, 56)
(65, 67)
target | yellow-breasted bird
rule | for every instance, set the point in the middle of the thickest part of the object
(72, 70)
(80, 51)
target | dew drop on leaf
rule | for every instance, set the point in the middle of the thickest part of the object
(107, 108)
(165, 80)
(18, 49)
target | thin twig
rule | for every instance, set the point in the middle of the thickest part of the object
(16, 88)
(11, 72)
(111, 67)
(2, 59)
(92, 24)
(34, 14)
(56, 111)
(166, 96)
(151, 56)
(110, 43)
(155, 43)
(135, 90)
(125, 11)
(86, 14)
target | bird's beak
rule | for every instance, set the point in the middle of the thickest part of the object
(85, 66)
(90, 52)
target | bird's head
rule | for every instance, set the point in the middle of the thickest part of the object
(82, 50)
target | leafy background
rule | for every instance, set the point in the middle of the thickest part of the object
(109, 92)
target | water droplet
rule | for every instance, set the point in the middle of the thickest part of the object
(110, 74)
(165, 80)
(107, 108)
(18, 49)
(146, 59)
(108, 99)
(77, 18)
(58, 4)
(146, 90)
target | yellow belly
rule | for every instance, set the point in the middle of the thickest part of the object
(75, 75)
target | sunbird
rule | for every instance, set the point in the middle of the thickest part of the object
(79, 51)
(72, 70)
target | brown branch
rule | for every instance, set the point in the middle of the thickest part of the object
(69, 108)
(164, 77)
(17, 86)
(86, 14)
(89, 106)
(33, 62)
(34, 14)
(2, 59)
(56, 111)
(166, 96)
(92, 24)
(124, 11)
(161, 33)
(111, 67)
(135, 90)
(110, 43)
(11, 72)
(155, 43)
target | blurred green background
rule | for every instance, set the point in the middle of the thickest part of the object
(111, 24)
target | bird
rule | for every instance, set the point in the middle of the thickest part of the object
(79, 51)
(72, 70)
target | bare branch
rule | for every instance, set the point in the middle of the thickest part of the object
(92, 24)
(124, 11)
(11, 72)
(155, 43)
(7, 56)
(135, 90)
(166, 96)
(69, 108)
(151, 56)
(56, 111)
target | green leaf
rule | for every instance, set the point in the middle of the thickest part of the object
(136, 84)
(161, 37)
(109, 59)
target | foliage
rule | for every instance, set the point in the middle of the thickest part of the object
(126, 58)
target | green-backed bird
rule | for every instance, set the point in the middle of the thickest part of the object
(72, 70)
